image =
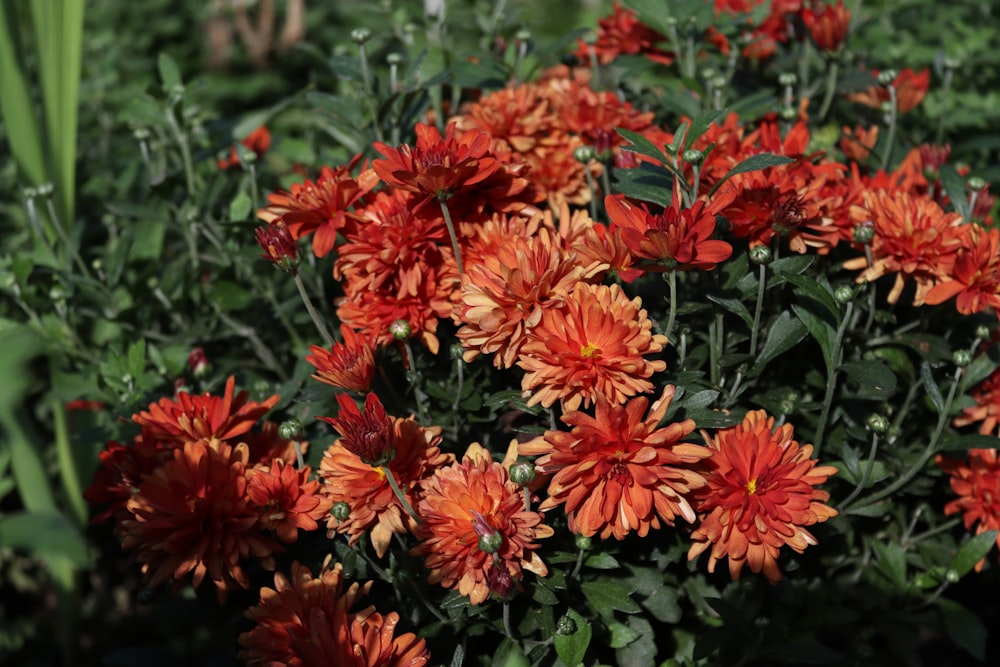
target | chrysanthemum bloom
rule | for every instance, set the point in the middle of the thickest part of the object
(593, 345)
(914, 239)
(760, 496)
(857, 144)
(322, 206)
(618, 472)
(828, 27)
(473, 517)
(676, 239)
(349, 365)
(192, 516)
(367, 434)
(504, 296)
(977, 483)
(975, 277)
(372, 313)
(621, 32)
(279, 247)
(599, 244)
(307, 622)
(911, 87)
(257, 141)
(192, 418)
(594, 116)
(374, 508)
(286, 499)
(120, 473)
(987, 408)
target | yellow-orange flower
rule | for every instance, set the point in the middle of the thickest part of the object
(977, 483)
(760, 496)
(617, 472)
(594, 344)
(307, 621)
(473, 519)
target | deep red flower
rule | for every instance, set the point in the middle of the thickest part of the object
(349, 365)
(827, 26)
(367, 434)
(279, 247)
(621, 32)
(121, 470)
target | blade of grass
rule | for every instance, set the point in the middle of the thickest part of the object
(15, 103)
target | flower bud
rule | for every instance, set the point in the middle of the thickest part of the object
(788, 113)
(787, 79)
(361, 35)
(566, 625)
(693, 156)
(490, 543)
(499, 581)
(290, 429)
(523, 35)
(976, 184)
(843, 294)
(864, 233)
(340, 510)
(394, 58)
(45, 189)
(198, 362)
(761, 255)
(887, 77)
(279, 247)
(878, 423)
(400, 329)
(951, 576)
(584, 154)
(583, 542)
(522, 473)
(457, 351)
(962, 358)
(983, 331)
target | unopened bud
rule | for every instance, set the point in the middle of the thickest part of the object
(523, 35)
(887, 77)
(693, 156)
(394, 58)
(864, 233)
(400, 330)
(976, 184)
(983, 331)
(878, 423)
(584, 154)
(788, 113)
(340, 510)
(843, 294)
(491, 542)
(761, 255)
(361, 35)
(566, 625)
(198, 362)
(290, 429)
(962, 358)
(787, 78)
(583, 542)
(522, 473)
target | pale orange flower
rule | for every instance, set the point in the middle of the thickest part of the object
(286, 499)
(593, 345)
(760, 496)
(192, 516)
(987, 408)
(473, 519)
(977, 483)
(618, 472)
(307, 621)
(348, 365)
(190, 418)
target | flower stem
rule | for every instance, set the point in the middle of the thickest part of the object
(451, 234)
(891, 123)
(413, 376)
(593, 191)
(831, 378)
(833, 69)
(394, 485)
(182, 143)
(761, 286)
(671, 277)
(366, 78)
(323, 331)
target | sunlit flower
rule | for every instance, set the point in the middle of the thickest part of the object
(914, 239)
(760, 496)
(286, 499)
(593, 345)
(372, 313)
(257, 141)
(911, 87)
(595, 116)
(987, 409)
(465, 502)
(677, 238)
(618, 472)
(349, 365)
(307, 621)
(374, 508)
(192, 516)
(975, 277)
(621, 32)
(977, 483)
(828, 26)
(322, 206)
(191, 418)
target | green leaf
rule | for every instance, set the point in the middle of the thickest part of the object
(964, 628)
(974, 373)
(542, 594)
(971, 441)
(972, 551)
(645, 184)
(700, 399)
(784, 334)
(509, 654)
(701, 124)
(872, 374)
(954, 184)
(892, 562)
(573, 633)
(643, 146)
(606, 597)
(601, 561)
(16, 102)
(816, 291)
(734, 306)
(819, 329)
(239, 208)
(641, 650)
(621, 635)
(170, 74)
(230, 296)
(753, 163)
(136, 358)
(931, 386)
(47, 534)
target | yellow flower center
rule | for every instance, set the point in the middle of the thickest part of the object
(590, 350)
(751, 486)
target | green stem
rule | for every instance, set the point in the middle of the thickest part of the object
(831, 379)
(833, 69)
(182, 143)
(389, 477)
(69, 472)
(863, 482)
(64, 237)
(891, 137)
(593, 191)
(323, 331)
(413, 375)
(366, 77)
(761, 286)
(945, 90)
(451, 234)
(671, 277)
(947, 525)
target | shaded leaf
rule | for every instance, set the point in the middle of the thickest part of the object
(931, 386)
(954, 184)
(170, 74)
(753, 163)
(784, 334)
(573, 633)
(964, 628)
(47, 534)
(972, 551)
(872, 374)
(972, 441)
(608, 596)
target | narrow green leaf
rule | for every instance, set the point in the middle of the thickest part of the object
(508, 654)
(954, 185)
(573, 633)
(170, 74)
(48, 534)
(972, 551)
(16, 101)
(753, 163)
(644, 185)
(784, 334)
(601, 561)
(931, 386)
(971, 441)
(643, 146)
(816, 291)
(964, 628)
(872, 374)
(700, 399)
(734, 306)
(819, 329)
(892, 562)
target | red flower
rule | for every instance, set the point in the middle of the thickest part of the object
(279, 247)
(977, 483)
(120, 474)
(349, 365)
(828, 26)
(286, 499)
(911, 87)
(621, 32)
(257, 141)
(759, 496)
(266, 445)
(987, 408)
(191, 418)
(857, 144)
(618, 472)
(368, 434)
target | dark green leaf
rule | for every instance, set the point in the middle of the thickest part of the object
(753, 163)
(240, 207)
(601, 561)
(47, 534)
(784, 334)
(543, 595)
(964, 628)
(643, 146)
(701, 124)
(793, 265)
(170, 74)
(230, 296)
(971, 441)
(734, 306)
(816, 291)
(645, 185)
(972, 551)
(954, 185)
(608, 596)
(872, 374)
(931, 386)
(974, 373)
(621, 635)
(640, 649)
(700, 399)
(892, 562)
(573, 633)
(509, 654)
(819, 329)
(713, 419)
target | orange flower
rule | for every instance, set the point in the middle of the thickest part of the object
(975, 277)
(266, 445)
(674, 239)
(373, 505)
(474, 518)
(911, 87)
(348, 365)
(914, 238)
(594, 116)
(306, 622)
(759, 496)
(829, 26)
(368, 434)
(504, 296)
(987, 408)
(257, 141)
(121, 470)
(371, 313)
(321, 206)
(977, 483)
(857, 144)
(192, 516)
(617, 472)
(622, 32)
(286, 499)
(593, 345)
(191, 418)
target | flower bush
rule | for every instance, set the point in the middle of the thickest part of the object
(667, 341)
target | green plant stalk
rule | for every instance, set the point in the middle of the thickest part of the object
(671, 278)
(394, 485)
(63, 235)
(891, 123)
(863, 482)
(832, 71)
(26, 465)
(758, 307)
(185, 148)
(69, 472)
(317, 320)
(593, 190)
(15, 104)
(451, 234)
(369, 92)
(924, 457)
(945, 99)
(831, 379)
(414, 378)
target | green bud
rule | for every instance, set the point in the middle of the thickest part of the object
(887, 77)
(962, 358)
(788, 113)
(456, 351)
(584, 154)
(761, 255)
(951, 576)
(787, 78)
(864, 233)
(566, 625)
(976, 184)
(490, 543)
(583, 542)
(522, 473)
(693, 156)
(290, 429)
(878, 423)
(340, 510)
(843, 294)
(361, 35)
(523, 35)
(394, 58)
(983, 331)
(45, 189)
(400, 329)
